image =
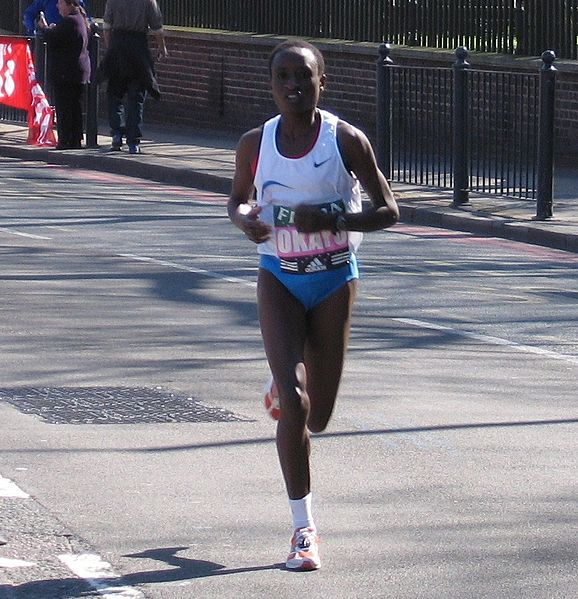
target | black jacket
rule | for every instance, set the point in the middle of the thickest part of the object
(68, 59)
(127, 59)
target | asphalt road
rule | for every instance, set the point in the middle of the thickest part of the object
(135, 458)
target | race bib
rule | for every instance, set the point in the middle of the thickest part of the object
(306, 253)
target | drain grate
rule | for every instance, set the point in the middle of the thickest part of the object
(112, 405)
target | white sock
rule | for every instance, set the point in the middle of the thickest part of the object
(301, 512)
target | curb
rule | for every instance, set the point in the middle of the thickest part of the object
(450, 218)
(130, 166)
(433, 216)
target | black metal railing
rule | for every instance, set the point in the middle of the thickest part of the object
(11, 17)
(13, 115)
(506, 26)
(421, 126)
(468, 130)
(503, 115)
(522, 27)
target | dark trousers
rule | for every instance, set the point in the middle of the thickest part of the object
(127, 116)
(68, 104)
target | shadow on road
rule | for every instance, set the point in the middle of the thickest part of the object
(363, 433)
(320, 437)
(184, 569)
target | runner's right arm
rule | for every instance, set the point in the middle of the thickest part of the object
(242, 214)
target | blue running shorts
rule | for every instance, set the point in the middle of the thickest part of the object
(311, 289)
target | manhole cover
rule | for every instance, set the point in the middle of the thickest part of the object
(111, 405)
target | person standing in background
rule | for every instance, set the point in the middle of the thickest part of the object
(48, 9)
(69, 70)
(52, 15)
(128, 65)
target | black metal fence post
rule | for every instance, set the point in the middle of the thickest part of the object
(40, 59)
(92, 93)
(383, 124)
(22, 6)
(544, 204)
(460, 128)
(412, 26)
(520, 28)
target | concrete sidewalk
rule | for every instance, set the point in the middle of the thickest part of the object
(205, 159)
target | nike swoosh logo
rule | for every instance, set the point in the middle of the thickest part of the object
(318, 164)
(269, 183)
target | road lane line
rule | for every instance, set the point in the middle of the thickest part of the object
(541, 351)
(19, 233)
(99, 575)
(10, 489)
(208, 273)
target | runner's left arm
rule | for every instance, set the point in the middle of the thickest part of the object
(359, 158)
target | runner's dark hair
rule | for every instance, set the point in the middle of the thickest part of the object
(289, 44)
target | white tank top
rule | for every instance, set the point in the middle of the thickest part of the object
(317, 178)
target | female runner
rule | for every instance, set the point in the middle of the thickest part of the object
(306, 166)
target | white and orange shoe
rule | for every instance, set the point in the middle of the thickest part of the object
(271, 400)
(304, 553)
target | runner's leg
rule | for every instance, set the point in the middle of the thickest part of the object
(327, 338)
(283, 321)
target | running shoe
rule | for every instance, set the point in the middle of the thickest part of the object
(271, 400)
(304, 553)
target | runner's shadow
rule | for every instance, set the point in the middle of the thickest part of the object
(185, 568)
(73, 587)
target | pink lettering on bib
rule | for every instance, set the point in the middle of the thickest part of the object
(306, 253)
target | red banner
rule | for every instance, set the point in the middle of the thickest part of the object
(40, 119)
(15, 72)
(19, 89)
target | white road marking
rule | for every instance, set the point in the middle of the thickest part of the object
(19, 233)
(10, 489)
(6, 562)
(202, 271)
(530, 349)
(91, 568)
(409, 321)
(98, 574)
(60, 228)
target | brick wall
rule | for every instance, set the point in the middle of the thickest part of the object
(220, 80)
